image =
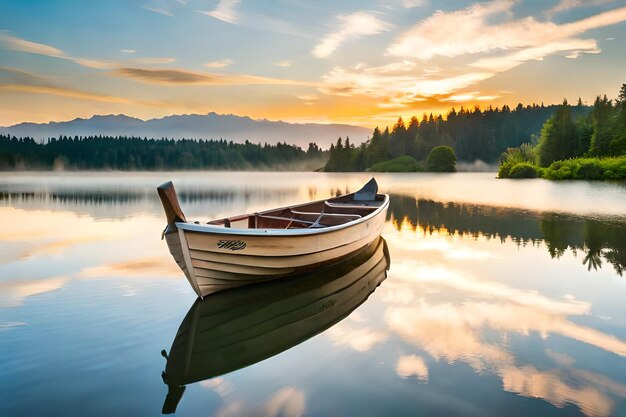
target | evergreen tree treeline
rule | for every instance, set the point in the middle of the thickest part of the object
(575, 146)
(473, 135)
(132, 153)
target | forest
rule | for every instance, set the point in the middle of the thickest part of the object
(472, 135)
(575, 146)
(132, 153)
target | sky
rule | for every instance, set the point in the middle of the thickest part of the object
(361, 62)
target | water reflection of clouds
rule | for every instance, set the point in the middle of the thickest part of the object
(40, 243)
(412, 366)
(136, 268)
(437, 305)
(286, 402)
(13, 293)
(48, 233)
(359, 338)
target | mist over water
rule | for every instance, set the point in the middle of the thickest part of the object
(476, 166)
(503, 298)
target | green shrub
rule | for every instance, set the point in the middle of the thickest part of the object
(587, 169)
(525, 153)
(441, 159)
(505, 170)
(523, 170)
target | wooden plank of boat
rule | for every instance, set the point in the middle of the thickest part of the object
(273, 243)
(237, 328)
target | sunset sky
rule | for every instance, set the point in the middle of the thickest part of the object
(360, 62)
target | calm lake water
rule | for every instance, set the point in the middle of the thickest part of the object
(503, 298)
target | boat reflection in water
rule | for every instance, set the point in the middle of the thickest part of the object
(236, 328)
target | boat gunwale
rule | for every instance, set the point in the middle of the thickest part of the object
(220, 230)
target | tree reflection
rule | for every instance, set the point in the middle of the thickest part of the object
(600, 241)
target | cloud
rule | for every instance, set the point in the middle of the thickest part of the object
(395, 88)
(150, 61)
(285, 63)
(471, 31)
(225, 11)
(574, 47)
(164, 76)
(128, 51)
(483, 39)
(21, 45)
(77, 94)
(186, 77)
(464, 98)
(158, 10)
(18, 76)
(353, 26)
(565, 5)
(308, 97)
(219, 64)
(409, 4)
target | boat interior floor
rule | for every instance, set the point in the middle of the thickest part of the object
(315, 215)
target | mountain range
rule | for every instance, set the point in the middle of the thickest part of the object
(195, 126)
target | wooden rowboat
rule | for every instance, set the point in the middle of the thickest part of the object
(271, 244)
(237, 328)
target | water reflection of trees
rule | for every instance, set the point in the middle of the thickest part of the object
(111, 197)
(600, 241)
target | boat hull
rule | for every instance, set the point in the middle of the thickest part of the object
(210, 268)
(260, 247)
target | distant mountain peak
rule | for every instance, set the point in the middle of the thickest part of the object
(198, 126)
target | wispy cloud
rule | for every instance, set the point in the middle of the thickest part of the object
(77, 94)
(225, 11)
(18, 76)
(470, 31)
(22, 45)
(467, 97)
(164, 76)
(565, 5)
(353, 26)
(410, 4)
(15, 43)
(187, 77)
(393, 87)
(159, 10)
(128, 51)
(219, 64)
(285, 63)
(308, 97)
